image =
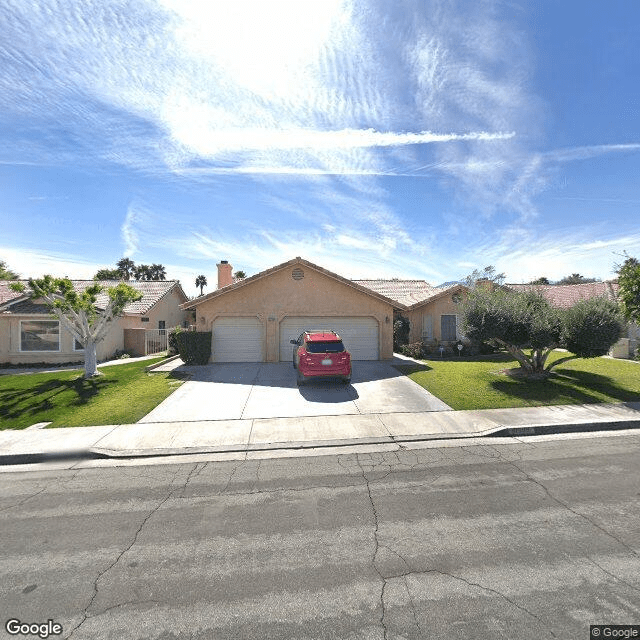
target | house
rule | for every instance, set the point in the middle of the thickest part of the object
(566, 295)
(30, 334)
(254, 319)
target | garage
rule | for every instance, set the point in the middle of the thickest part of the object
(359, 334)
(238, 339)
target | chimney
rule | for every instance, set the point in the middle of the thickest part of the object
(225, 275)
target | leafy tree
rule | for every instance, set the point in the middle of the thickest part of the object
(525, 320)
(629, 291)
(488, 273)
(240, 275)
(542, 280)
(79, 313)
(201, 282)
(6, 273)
(575, 278)
(126, 266)
(108, 274)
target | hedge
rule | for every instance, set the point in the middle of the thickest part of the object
(194, 347)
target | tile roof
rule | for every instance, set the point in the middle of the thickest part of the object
(566, 295)
(406, 292)
(152, 291)
(6, 293)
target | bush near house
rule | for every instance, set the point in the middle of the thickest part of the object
(194, 347)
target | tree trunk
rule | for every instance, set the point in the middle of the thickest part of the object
(90, 360)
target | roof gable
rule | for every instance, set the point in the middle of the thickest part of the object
(152, 292)
(285, 265)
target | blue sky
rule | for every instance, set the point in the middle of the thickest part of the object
(413, 139)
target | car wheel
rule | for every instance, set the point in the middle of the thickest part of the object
(347, 379)
(294, 361)
(300, 379)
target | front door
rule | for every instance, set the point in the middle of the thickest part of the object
(447, 328)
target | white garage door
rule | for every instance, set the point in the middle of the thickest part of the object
(238, 340)
(360, 335)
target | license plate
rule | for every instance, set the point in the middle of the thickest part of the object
(327, 361)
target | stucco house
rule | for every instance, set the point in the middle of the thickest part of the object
(254, 319)
(30, 334)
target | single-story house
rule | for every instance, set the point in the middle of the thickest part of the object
(254, 319)
(566, 295)
(30, 334)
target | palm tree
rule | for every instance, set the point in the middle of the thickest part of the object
(158, 272)
(126, 266)
(142, 272)
(201, 282)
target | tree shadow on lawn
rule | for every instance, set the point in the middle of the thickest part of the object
(565, 383)
(408, 369)
(16, 402)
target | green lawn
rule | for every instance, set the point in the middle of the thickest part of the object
(123, 394)
(479, 383)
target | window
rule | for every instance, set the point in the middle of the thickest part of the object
(448, 328)
(144, 319)
(161, 324)
(325, 347)
(77, 346)
(427, 326)
(39, 335)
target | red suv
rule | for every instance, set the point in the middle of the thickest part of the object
(321, 354)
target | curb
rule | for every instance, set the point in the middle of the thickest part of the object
(152, 367)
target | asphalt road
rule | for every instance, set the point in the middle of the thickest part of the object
(528, 541)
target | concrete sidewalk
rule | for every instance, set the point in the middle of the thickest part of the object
(173, 438)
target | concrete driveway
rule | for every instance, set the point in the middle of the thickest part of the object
(268, 390)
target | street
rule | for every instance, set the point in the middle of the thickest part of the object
(532, 540)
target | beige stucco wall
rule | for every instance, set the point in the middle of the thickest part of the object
(436, 308)
(166, 309)
(278, 295)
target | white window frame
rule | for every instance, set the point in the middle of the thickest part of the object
(38, 350)
(73, 342)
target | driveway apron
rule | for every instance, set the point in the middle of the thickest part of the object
(268, 390)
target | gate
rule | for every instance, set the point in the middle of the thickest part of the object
(155, 341)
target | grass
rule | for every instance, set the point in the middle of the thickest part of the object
(122, 395)
(481, 383)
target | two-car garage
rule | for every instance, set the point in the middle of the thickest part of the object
(242, 339)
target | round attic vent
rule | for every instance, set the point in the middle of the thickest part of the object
(297, 274)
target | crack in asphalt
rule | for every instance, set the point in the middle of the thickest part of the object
(404, 575)
(62, 481)
(376, 549)
(85, 613)
(562, 503)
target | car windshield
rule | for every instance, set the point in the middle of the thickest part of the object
(325, 347)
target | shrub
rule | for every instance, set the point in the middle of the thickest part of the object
(400, 332)
(194, 347)
(172, 340)
(413, 350)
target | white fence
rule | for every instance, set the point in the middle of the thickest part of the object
(155, 341)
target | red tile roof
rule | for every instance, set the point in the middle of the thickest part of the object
(566, 295)
(152, 292)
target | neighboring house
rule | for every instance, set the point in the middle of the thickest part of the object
(253, 320)
(432, 311)
(30, 334)
(566, 295)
